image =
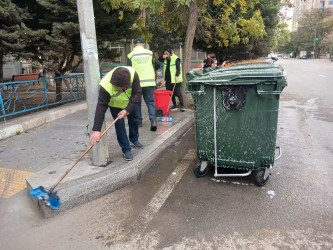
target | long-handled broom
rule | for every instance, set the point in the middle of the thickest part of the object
(49, 196)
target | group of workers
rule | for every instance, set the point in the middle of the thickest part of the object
(122, 89)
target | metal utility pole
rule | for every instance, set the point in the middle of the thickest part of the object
(100, 153)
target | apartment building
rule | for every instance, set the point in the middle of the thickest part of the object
(301, 6)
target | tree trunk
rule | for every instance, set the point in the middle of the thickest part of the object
(1, 66)
(218, 58)
(64, 65)
(187, 52)
(58, 87)
(144, 16)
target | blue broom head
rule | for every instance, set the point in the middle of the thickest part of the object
(165, 118)
(53, 202)
(50, 198)
(40, 193)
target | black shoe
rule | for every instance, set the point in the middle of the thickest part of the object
(137, 144)
(128, 156)
(140, 123)
(153, 126)
(182, 108)
(174, 107)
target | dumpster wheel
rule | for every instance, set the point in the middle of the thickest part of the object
(197, 170)
(260, 177)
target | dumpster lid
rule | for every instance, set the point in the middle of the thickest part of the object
(242, 73)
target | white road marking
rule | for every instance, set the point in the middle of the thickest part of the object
(163, 193)
(271, 193)
(322, 75)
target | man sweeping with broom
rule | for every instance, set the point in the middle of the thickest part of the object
(121, 92)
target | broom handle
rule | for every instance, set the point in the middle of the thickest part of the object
(171, 97)
(85, 152)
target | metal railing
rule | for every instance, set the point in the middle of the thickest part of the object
(24, 96)
(110, 67)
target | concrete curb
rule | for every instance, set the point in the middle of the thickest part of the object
(23, 124)
(92, 186)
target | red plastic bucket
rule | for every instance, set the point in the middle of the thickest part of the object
(162, 99)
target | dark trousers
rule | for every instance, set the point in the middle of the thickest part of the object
(133, 125)
(176, 92)
(148, 96)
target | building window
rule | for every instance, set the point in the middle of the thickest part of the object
(330, 3)
(322, 4)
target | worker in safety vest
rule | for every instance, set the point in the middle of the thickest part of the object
(120, 91)
(145, 64)
(173, 75)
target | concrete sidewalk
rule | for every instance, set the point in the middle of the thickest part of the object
(44, 153)
(22, 124)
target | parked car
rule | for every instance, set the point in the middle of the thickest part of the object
(268, 59)
(304, 57)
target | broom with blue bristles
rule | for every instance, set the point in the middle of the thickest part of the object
(167, 118)
(49, 196)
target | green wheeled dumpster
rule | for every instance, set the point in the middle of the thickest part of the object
(236, 115)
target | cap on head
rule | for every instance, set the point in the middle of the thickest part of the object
(139, 40)
(169, 50)
(121, 77)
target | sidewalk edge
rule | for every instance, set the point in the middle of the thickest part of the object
(91, 187)
(20, 125)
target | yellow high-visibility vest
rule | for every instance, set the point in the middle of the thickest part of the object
(173, 69)
(119, 98)
(142, 59)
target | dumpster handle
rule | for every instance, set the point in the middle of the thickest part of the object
(280, 152)
(215, 141)
(261, 91)
(234, 175)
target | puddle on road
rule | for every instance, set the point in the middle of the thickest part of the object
(313, 106)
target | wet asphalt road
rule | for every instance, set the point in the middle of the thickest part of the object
(169, 208)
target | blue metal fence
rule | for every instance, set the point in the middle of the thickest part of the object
(24, 96)
(105, 68)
